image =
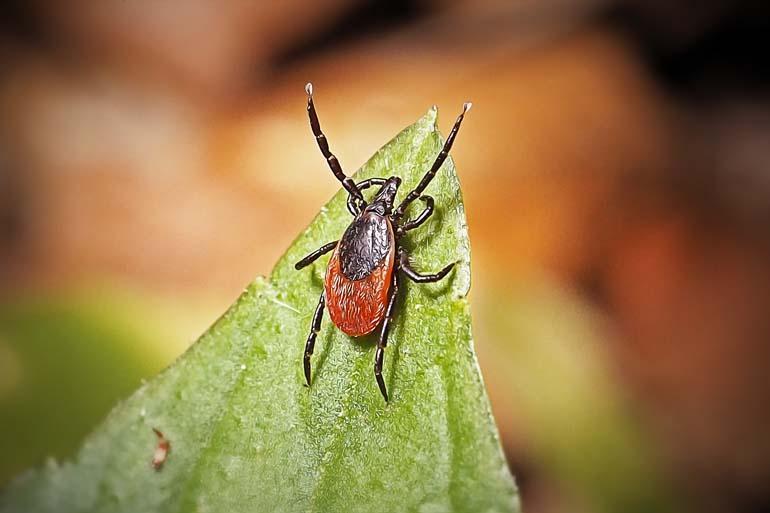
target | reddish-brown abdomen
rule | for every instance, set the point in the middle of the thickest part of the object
(358, 306)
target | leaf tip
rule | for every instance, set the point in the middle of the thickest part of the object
(431, 118)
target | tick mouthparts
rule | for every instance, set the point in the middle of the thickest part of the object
(309, 89)
(467, 106)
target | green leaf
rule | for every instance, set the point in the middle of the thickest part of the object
(246, 435)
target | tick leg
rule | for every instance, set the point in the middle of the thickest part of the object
(413, 195)
(312, 257)
(382, 342)
(323, 144)
(424, 215)
(365, 184)
(421, 278)
(355, 208)
(314, 329)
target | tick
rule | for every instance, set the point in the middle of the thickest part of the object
(361, 282)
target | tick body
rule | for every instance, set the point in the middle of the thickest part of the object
(362, 277)
(359, 274)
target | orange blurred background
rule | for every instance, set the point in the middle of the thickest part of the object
(156, 156)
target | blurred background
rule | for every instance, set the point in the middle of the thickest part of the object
(156, 156)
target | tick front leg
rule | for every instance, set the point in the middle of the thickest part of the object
(314, 329)
(424, 215)
(312, 257)
(443, 154)
(382, 342)
(421, 278)
(323, 145)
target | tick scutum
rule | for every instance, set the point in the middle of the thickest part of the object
(364, 245)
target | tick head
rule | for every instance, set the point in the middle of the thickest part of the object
(382, 203)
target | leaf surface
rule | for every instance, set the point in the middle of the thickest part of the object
(247, 435)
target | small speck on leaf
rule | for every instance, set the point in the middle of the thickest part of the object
(161, 450)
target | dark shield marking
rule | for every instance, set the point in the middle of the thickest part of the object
(364, 245)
